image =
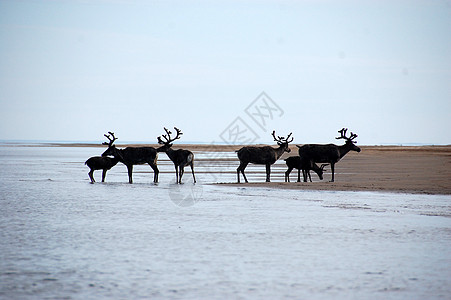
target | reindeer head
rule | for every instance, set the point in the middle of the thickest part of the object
(282, 142)
(111, 138)
(349, 140)
(321, 171)
(167, 142)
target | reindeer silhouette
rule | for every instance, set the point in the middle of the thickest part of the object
(100, 163)
(329, 153)
(132, 156)
(295, 162)
(265, 155)
(180, 157)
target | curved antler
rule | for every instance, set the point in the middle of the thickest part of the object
(343, 135)
(167, 136)
(287, 141)
(111, 140)
(274, 136)
(281, 139)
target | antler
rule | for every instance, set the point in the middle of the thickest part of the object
(167, 137)
(281, 139)
(353, 136)
(343, 135)
(111, 140)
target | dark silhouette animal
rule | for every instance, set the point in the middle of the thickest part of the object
(100, 163)
(265, 155)
(295, 162)
(180, 157)
(329, 153)
(132, 156)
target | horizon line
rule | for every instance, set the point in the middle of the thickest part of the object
(69, 142)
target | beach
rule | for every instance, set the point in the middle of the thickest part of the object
(425, 169)
(403, 169)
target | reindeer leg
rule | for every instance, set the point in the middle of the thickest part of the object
(241, 168)
(268, 172)
(176, 173)
(192, 171)
(308, 174)
(91, 175)
(182, 170)
(304, 174)
(287, 175)
(245, 179)
(332, 167)
(299, 175)
(155, 172)
(130, 172)
(104, 174)
(238, 170)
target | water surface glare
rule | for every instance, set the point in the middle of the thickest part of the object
(62, 237)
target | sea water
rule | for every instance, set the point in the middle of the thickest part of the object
(64, 238)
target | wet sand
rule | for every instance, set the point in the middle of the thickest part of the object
(425, 170)
(405, 169)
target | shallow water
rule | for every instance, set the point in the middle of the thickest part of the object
(65, 238)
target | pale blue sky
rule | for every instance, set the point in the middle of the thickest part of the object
(72, 70)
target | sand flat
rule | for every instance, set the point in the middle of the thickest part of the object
(405, 169)
(424, 169)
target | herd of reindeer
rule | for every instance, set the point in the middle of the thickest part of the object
(309, 155)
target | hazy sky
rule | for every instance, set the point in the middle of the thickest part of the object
(73, 70)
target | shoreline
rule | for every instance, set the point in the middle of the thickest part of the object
(217, 147)
(337, 187)
(399, 169)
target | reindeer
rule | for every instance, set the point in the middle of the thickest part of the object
(265, 155)
(100, 163)
(329, 153)
(295, 162)
(180, 157)
(132, 156)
